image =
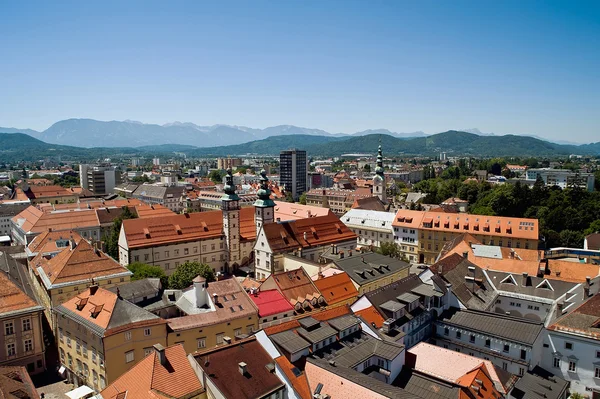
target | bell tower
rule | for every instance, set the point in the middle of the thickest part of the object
(264, 206)
(230, 207)
(379, 186)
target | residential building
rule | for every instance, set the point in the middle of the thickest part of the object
(406, 234)
(16, 383)
(572, 348)
(562, 178)
(213, 314)
(21, 337)
(457, 204)
(47, 194)
(338, 200)
(273, 307)
(240, 370)
(7, 212)
(61, 276)
(337, 289)
(371, 227)
(436, 228)
(140, 292)
(306, 238)
(368, 270)
(171, 197)
(511, 343)
(164, 373)
(370, 204)
(592, 242)
(102, 336)
(297, 288)
(229, 163)
(407, 306)
(293, 172)
(539, 382)
(517, 169)
(99, 179)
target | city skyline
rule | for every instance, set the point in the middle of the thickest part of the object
(510, 68)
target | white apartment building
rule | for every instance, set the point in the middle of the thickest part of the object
(371, 227)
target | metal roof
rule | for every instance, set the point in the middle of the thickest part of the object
(316, 335)
(487, 251)
(344, 322)
(407, 297)
(289, 341)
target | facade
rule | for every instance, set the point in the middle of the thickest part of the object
(101, 336)
(562, 178)
(338, 200)
(165, 373)
(7, 212)
(47, 194)
(406, 234)
(572, 348)
(293, 172)
(511, 343)
(371, 227)
(171, 197)
(229, 163)
(99, 179)
(434, 229)
(21, 337)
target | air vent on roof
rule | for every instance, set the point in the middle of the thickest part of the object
(204, 226)
(178, 229)
(146, 232)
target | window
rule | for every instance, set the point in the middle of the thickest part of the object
(9, 328)
(186, 251)
(488, 342)
(458, 335)
(220, 338)
(93, 355)
(148, 351)
(521, 371)
(598, 354)
(95, 375)
(62, 355)
(129, 357)
(26, 323)
(472, 339)
(28, 344)
(597, 372)
(506, 348)
(78, 345)
(446, 331)
(11, 350)
(176, 252)
(167, 254)
(86, 369)
(569, 345)
(69, 339)
(572, 366)
(85, 351)
(504, 366)
(147, 332)
(523, 354)
(237, 332)
(127, 335)
(201, 343)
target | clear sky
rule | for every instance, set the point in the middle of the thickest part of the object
(343, 66)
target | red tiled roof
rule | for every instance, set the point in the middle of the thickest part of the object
(336, 288)
(298, 381)
(371, 316)
(270, 302)
(298, 288)
(12, 298)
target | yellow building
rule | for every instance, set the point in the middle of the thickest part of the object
(431, 230)
(215, 313)
(101, 336)
(21, 342)
(66, 265)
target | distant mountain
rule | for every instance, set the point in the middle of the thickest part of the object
(29, 132)
(393, 134)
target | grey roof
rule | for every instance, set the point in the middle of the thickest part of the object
(308, 322)
(407, 297)
(289, 341)
(315, 335)
(487, 251)
(136, 291)
(424, 386)
(539, 383)
(559, 287)
(344, 322)
(356, 348)
(12, 209)
(368, 267)
(161, 192)
(426, 290)
(384, 298)
(496, 324)
(392, 306)
(361, 379)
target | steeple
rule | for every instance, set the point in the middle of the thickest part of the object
(264, 194)
(230, 207)
(379, 186)
(379, 168)
(229, 188)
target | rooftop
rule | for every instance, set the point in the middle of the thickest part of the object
(368, 219)
(293, 211)
(15, 383)
(270, 302)
(12, 298)
(539, 383)
(150, 379)
(298, 288)
(364, 268)
(583, 320)
(336, 288)
(222, 368)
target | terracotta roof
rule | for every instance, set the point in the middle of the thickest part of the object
(36, 192)
(249, 283)
(293, 211)
(321, 315)
(37, 221)
(336, 288)
(94, 203)
(156, 210)
(369, 203)
(371, 316)
(306, 233)
(296, 377)
(52, 241)
(221, 367)
(270, 302)
(15, 383)
(298, 288)
(76, 264)
(466, 223)
(12, 299)
(479, 383)
(150, 379)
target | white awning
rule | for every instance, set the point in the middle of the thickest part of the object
(80, 392)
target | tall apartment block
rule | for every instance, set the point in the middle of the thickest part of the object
(293, 172)
(99, 179)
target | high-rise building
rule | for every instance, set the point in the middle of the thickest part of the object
(99, 179)
(292, 171)
(227, 163)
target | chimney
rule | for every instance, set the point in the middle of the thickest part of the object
(73, 244)
(160, 353)
(93, 289)
(242, 367)
(466, 254)
(200, 291)
(559, 309)
(341, 254)
(524, 279)
(349, 252)
(215, 299)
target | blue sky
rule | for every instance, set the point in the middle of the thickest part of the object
(343, 66)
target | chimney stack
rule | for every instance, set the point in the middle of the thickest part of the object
(215, 299)
(73, 244)
(341, 254)
(242, 367)
(524, 279)
(160, 353)
(466, 254)
(93, 289)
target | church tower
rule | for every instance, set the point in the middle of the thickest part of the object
(230, 207)
(379, 186)
(264, 207)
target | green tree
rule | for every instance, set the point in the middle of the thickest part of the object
(184, 274)
(303, 199)
(142, 270)
(112, 238)
(390, 249)
(288, 197)
(216, 176)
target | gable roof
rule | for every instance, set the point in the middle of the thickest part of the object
(15, 383)
(369, 203)
(293, 211)
(364, 268)
(336, 288)
(425, 386)
(150, 379)
(583, 320)
(298, 288)
(81, 263)
(270, 302)
(221, 367)
(296, 377)
(539, 383)
(12, 298)
(368, 219)
(371, 316)
(593, 241)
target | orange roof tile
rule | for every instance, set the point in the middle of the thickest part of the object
(48, 191)
(336, 288)
(299, 382)
(298, 288)
(293, 211)
(49, 241)
(371, 316)
(96, 308)
(12, 298)
(153, 380)
(37, 221)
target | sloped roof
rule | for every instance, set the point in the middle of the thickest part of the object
(34, 220)
(270, 302)
(369, 203)
(368, 219)
(153, 380)
(12, 298)
(583, 320)
(296, 286)
(426, 387)
(52, 241)
(15, 383)
(364, 268)
(306, 233)
(371, 316)
(296, 377)
(593, 241)
(293, 211)
(76, 264)
(539, 383)
(336, 288)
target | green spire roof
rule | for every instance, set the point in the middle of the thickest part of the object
(379, 168)
(264, 194)
(229, 188)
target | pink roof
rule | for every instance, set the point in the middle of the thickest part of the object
(434, 360)
(270, 302)
(336, 386)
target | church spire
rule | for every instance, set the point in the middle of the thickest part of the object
(264, 193)
(229, 188)
(379, 168)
